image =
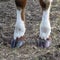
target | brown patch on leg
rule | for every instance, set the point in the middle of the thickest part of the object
(20, 3)
(21, 38)
(23, 15)
(44, 4)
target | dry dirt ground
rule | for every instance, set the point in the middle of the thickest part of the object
(33, 19)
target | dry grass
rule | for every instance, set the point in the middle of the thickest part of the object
(33, 18)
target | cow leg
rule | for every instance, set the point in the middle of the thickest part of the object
(19, 31)
(45, 27)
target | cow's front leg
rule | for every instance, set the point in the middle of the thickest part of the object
(45, 27)
(19, 31)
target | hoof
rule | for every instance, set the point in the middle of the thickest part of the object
(48, 43)
(44, 43)
(13, 43)
(20, 43)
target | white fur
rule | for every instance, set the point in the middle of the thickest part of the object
(51, 0)
(47, 0)
(19, 26)
(45, 28)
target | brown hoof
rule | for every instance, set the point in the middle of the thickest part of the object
(44, 43)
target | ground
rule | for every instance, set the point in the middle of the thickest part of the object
(33, 19)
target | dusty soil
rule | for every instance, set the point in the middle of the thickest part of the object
(33, 19)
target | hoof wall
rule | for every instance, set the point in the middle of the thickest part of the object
(13, 43)
(48, 43)
(44, 43)
(20, 44)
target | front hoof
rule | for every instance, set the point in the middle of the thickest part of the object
(44, 43)
(20, 43)
(13, 43)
